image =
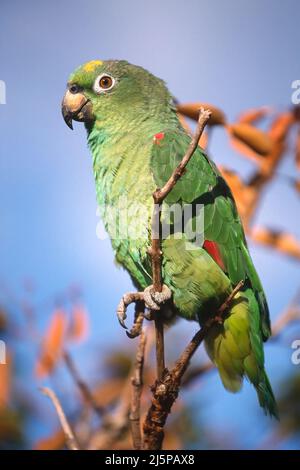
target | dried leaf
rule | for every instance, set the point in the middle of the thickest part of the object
(280, 126)
(297, 159)
(5, 381)
(54, 442)
(234, 182)
(254, 138)
(281, 241)
(253, 115)
(3, 320)
(52, 344)
(242, 193)
(296, 113)
(245, 151)
(78, 329)
(297, 185)
(191, 110)
(184, 123)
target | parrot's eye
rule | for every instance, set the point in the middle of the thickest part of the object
(103, 83)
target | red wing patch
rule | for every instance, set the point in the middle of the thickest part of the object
(214, 251)
(158, 137)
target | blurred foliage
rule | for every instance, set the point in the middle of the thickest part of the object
(289, 406)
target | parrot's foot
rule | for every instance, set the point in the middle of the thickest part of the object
(153, 300)
(150, 299)
(127, 299)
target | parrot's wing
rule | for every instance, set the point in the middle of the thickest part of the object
(223, 231)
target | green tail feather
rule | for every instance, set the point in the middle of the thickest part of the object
(266, 397)
(236, 348)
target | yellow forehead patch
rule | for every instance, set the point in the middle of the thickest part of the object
(90, 66)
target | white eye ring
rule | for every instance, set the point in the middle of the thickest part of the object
(102, 89)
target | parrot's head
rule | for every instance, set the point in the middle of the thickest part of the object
(105, 92)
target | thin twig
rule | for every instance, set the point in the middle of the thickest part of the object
(137, 387)
(71, 441)
(165, 391)
(155, 251)
(83, 387)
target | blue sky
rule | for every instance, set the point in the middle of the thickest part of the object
(234, 54)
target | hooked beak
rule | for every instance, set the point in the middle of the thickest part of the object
(75, 106)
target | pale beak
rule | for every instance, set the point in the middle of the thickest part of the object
(76, 106)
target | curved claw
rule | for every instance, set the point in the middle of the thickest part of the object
(121, 313)
(137, 326)
(132, 335)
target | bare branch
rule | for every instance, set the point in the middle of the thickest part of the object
(71, 441)
(165, 391)
(137, 387)
(84, 389)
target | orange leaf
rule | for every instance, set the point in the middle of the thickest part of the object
(254, 138)
(233, 180)
(78, 329)
(54, 442)
(253, 115)
(5, 381)
(244, 150)
(52, 344)
(298, 150)
(297, 185)
(191, 110)
(184, 123)
(280, 126)
(281, 241)
(242, 193)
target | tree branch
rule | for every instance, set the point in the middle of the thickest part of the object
(71, 441)
(84, 389)
(137, 388)
(165, 391)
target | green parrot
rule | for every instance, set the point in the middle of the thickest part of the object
(136, 141)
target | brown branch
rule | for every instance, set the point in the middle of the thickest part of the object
(84, 389)
(137, 387)
(114, 425)
(71, 441)
(165, 391)
(155, 251)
